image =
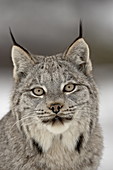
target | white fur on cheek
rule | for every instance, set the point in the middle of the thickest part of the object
(58, 129)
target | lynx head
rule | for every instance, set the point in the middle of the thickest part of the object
(52, 92)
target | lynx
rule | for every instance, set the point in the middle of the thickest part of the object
(53, 119)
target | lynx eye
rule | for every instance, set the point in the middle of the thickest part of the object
(38, 91)
(69, 87)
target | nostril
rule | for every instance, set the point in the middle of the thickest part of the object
(55, 107)
(52, 108)
(59, 107)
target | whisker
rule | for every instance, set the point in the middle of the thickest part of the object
(27, 123)
(41, 113)
(68, 112)
(23, 118)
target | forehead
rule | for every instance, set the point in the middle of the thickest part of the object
(53, 70)
(51, 64)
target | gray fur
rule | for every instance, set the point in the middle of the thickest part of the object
(29, 139)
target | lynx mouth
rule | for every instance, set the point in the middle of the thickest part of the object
(57, 120)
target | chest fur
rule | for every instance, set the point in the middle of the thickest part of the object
(60, 151)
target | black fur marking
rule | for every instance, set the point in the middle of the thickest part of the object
(80, 30)
(14, 41)
(56, 119)
(22, 75)
(27, 128)
(61, 137)
(79, 143)
(90, 126)
(37, 146)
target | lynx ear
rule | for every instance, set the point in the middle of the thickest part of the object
(21, 58)
(78, 53)
(22, 61)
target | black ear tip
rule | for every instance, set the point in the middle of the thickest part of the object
(12, 37)
(14, 41)
(80, 29)
(10, 29)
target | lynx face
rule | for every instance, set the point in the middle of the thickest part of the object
(51, 91)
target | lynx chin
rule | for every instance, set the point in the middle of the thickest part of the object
(53, 119)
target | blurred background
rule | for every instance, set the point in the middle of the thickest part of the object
(48, 27)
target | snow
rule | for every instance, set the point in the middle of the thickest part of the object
(104, 79)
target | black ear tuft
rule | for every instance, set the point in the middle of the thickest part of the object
(12, 37)
(14, 41)
(80, 36)
(80, 31)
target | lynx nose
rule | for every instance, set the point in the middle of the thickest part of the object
(55, 107)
